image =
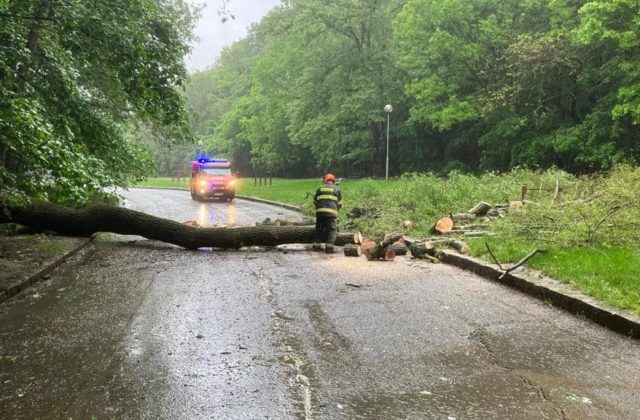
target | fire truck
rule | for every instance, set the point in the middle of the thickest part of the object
(212, 178)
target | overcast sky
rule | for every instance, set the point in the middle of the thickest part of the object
(214, 35)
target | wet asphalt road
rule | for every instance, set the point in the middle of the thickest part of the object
(140, 329)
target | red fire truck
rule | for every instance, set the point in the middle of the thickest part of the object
(212, 178)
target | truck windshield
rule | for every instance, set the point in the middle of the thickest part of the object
(216, 171)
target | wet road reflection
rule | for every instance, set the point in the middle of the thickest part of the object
(178, 206)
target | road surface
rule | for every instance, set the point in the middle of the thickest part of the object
(140, 329)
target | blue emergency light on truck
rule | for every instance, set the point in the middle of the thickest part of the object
(212, 178)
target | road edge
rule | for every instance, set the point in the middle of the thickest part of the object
(550, 290)
(16, 288)
(273, 203)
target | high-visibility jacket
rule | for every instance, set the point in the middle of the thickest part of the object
(328, 200)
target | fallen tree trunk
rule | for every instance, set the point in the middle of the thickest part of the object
(102, 218)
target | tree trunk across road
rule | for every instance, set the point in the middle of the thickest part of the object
(102, 218)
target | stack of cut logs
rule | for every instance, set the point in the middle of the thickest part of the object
(470, 224)
(397, 244)
(387, 249)
(474, 222)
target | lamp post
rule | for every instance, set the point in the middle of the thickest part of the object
(388, 109)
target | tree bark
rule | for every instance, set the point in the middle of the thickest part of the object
(400, 248)
(481, 208)
(102, 218)
(383, 249)
(352, 250)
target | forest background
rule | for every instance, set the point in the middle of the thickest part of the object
(481, 85)
(93, 96)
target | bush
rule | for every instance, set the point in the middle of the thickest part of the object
(592, 210)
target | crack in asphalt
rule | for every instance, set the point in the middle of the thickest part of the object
(478, 335)
(293, 354)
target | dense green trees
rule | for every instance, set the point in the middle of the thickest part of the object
(476, 85)
(318, 77)
(76, 77)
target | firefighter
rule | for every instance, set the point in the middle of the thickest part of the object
(328, 200)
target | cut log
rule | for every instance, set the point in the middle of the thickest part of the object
(494, 213)
(443, 225)
(380, 250)
(389, 254)
(463, 217)
(357, 238)
(460, 246)
(376, 252)
(408, 241)
(102, 218)
(367, 243)
(481, 208)
(420, 249)
(400, 248)
(352, 250)
(391, 238)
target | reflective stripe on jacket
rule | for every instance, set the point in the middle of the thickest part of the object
(328, 200)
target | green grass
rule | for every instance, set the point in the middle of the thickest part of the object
(607, 270)
(291, 191)
(164, 183)
(610, 274)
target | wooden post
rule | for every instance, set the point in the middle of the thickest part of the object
(557, 193)
(524, 193)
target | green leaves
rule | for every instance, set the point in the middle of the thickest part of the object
(72, 75)
(477, 85)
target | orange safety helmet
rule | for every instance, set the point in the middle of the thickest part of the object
(329, 178)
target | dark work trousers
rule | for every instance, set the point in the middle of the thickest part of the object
(326, 228)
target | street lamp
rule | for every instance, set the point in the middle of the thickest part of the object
(388, 109)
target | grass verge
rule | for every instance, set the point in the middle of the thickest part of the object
(608, 273)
